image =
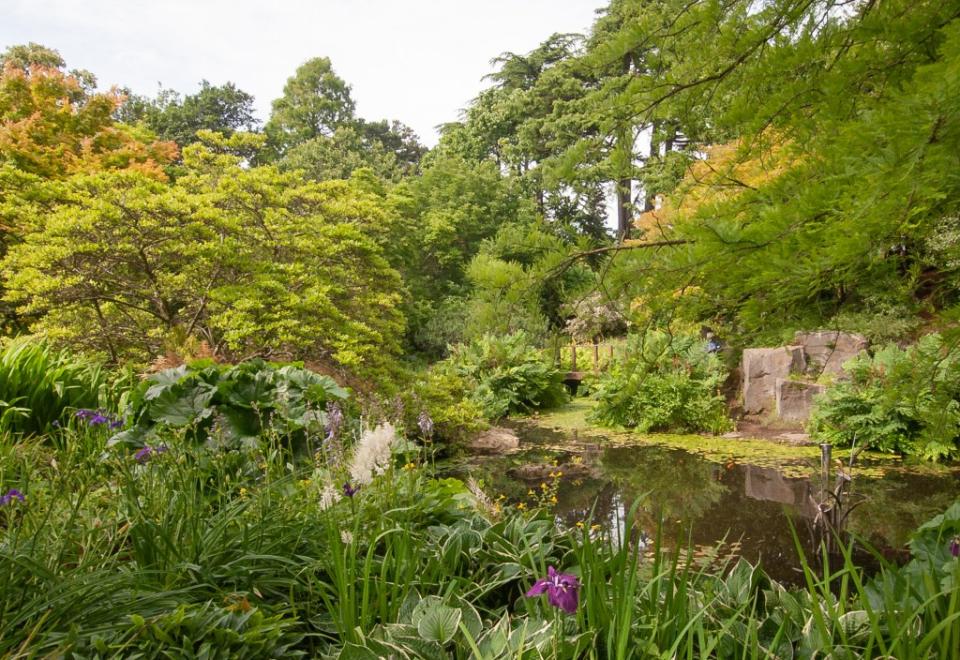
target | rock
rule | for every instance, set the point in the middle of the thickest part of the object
(794, 399)
(496, 440)
(796, 439)
(733, 435)
(827, 350)
(761, 369)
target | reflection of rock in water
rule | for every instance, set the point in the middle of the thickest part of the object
(769, 485)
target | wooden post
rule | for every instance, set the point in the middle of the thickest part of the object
(596, 357)
(573, 357)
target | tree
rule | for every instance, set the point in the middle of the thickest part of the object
(223, 109)
(52, 125)
(838, 197)
(250, 260)
(315, 103)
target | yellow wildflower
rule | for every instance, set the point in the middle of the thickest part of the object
(521, 506)
(243, 492)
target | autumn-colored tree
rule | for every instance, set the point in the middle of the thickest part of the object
(53, 125)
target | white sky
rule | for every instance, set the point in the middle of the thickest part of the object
(418, 61)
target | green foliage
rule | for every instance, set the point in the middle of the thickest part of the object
(231, 406)
(223, 109)
(507, 374)
(40, 385)
(315, 102)
(663, 383)
(899, 400)
(445, 396)
(193, 554)
(251, 261)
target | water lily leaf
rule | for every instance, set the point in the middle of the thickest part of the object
(439, 624)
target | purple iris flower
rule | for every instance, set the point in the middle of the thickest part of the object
(147, 452)
(12, 494)
(349, 490)
(562, 590)
(955, 546)
(96, 417)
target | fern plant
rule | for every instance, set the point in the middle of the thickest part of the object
(664, 383)
(507, 374)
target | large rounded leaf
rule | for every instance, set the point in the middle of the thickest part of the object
(439, 624)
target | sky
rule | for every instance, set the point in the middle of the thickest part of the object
(419, 61)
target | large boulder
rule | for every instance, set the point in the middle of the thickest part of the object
(761, 369)
(496, 440)
(827, 350)
(794, 399)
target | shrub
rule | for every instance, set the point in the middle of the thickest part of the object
(445, 396)
(231, 405)
(664, 383)
(899, 400)
(39, 384)
(507, 374)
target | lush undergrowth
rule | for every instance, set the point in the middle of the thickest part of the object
(663, 382)
(903, 400)
(181, 548)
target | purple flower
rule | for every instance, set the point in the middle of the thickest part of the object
(334, 420)
(94, 417)
(425, 424)
(349, 490)
(562, 590)
(955, 546)
(12, 494)
(147, 452)
(117, 423)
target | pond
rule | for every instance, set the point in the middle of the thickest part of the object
(719, 498)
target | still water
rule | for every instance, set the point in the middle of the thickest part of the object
(713, 506)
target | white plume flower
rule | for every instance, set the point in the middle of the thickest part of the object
(346, 536)
(329, 496)
(372, 454)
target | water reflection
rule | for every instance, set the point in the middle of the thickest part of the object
(703, 503)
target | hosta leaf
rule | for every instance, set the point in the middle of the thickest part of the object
(439, 624)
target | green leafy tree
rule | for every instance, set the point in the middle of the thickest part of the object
(315, 102)
(221, 108)
(252, 261)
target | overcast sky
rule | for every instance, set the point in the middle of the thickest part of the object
(418, 61)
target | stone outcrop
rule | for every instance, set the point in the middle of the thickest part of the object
(761, 369)
(827, 350)
(776, 381)
(794, 399)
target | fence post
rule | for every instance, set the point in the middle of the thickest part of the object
(573, 356)
(596, 357)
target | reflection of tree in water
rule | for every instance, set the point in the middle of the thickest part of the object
(675, 485)
(899, 503)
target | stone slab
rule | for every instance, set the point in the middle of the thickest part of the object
(794, 399)
(827, 350)
(761, 369)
